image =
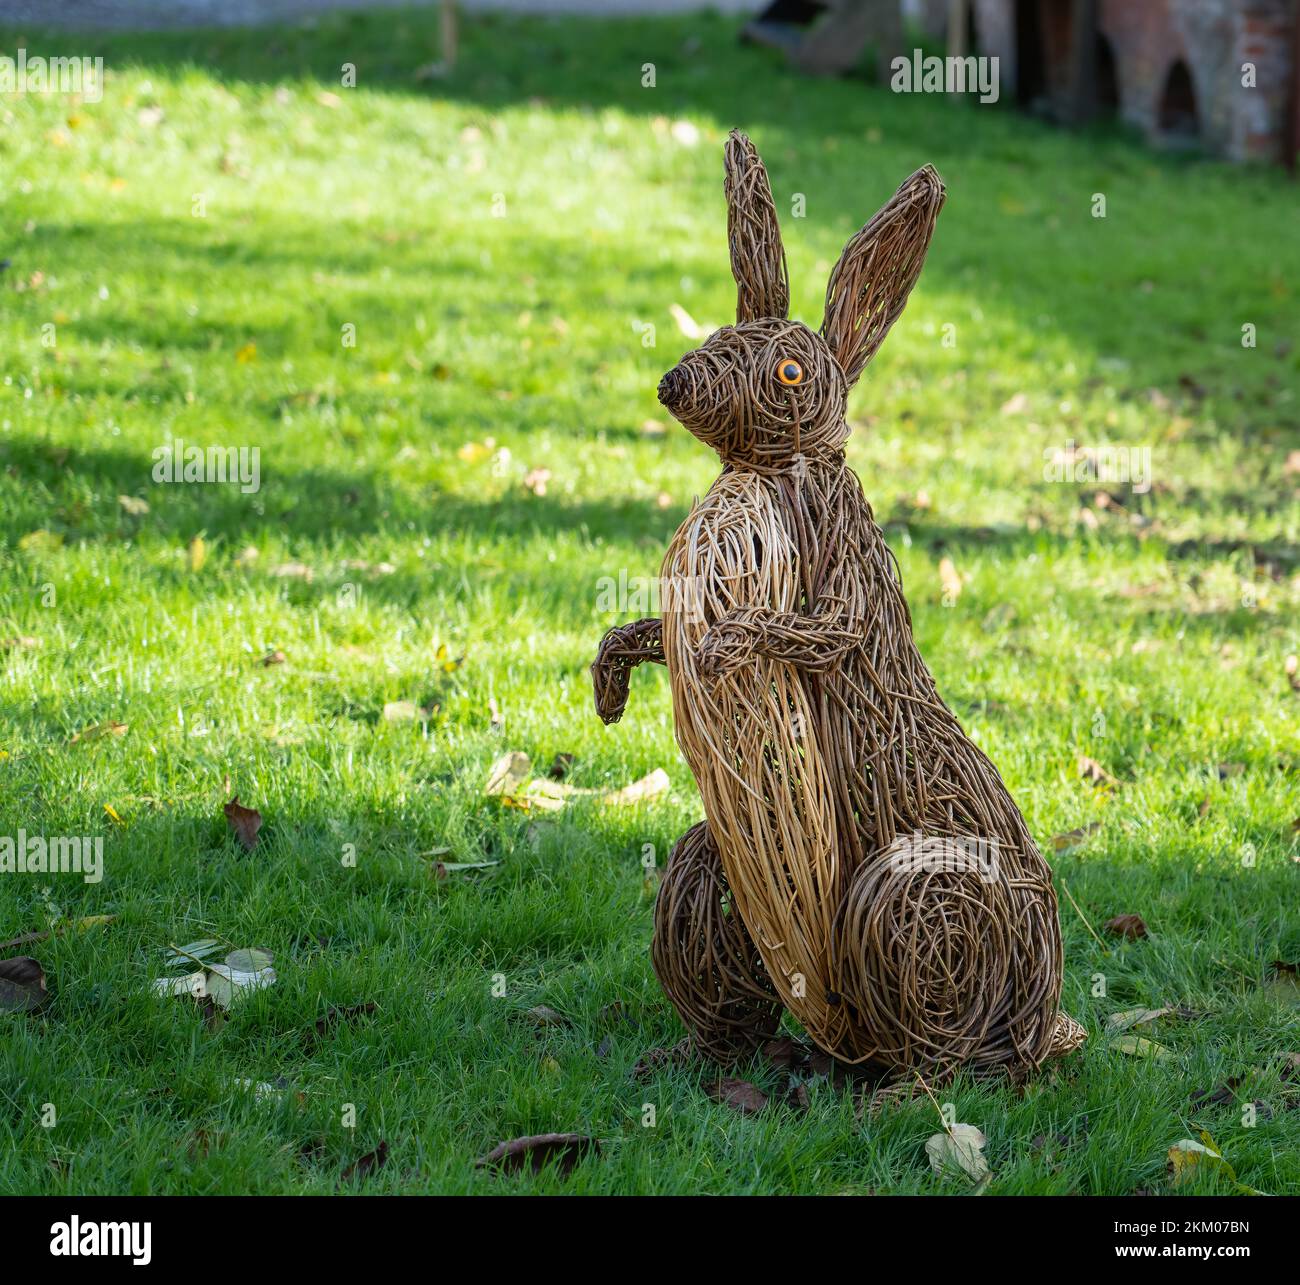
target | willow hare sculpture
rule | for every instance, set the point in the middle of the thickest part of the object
(862, 864)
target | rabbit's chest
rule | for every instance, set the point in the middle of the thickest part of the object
(736, 549)
(750, 737)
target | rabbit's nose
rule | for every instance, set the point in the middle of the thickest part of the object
(670, 387)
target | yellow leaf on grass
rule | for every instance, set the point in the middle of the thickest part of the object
(1139, 1046)
(403, 712)
(247, 353)
(950, 580)
(198, 553)
(98, 731)
(1072, 839)
(1134, 1017)
(648, 787)
(1091, 770)
(508, 773)
(1187, 1157)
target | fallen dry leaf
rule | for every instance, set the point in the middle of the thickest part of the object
(537, 1151)
(293, 571)
(1140, 1046)
(133, 505)
(1130, 927)
(245, 822)
(648, 787)
(441, 870)
(959, 1150)
(1188, 1157)
(40, 541)
(99, 731)
(1227, 1092)
(949, 581)
(541, 1015)
(225, 983)
(22, 985)
(1131, 1018)
(739, 1095)
(195, 984)
(24, 642)
(336, 1017)
(785, 1054)
(508, 773)
(404, 712)
(276, 657)
(367, 1164)
(1092, 771)
(796, 1097)
(535, 480)
(1072, 839)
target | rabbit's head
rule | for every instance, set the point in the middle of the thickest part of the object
(769, 389)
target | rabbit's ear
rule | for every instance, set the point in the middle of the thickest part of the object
(876, 272)
(753, 234)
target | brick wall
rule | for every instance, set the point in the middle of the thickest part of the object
(1214, 38)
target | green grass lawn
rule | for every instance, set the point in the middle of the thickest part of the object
(394, 535)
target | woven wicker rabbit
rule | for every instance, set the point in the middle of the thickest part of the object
(862, 863)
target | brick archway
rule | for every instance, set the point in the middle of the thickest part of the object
(1177, 114)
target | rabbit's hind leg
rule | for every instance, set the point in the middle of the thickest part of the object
(946, 964)
(704, 957)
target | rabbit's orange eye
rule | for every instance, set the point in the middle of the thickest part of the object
(789, 371)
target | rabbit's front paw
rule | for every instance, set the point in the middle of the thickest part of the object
(724, 648)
